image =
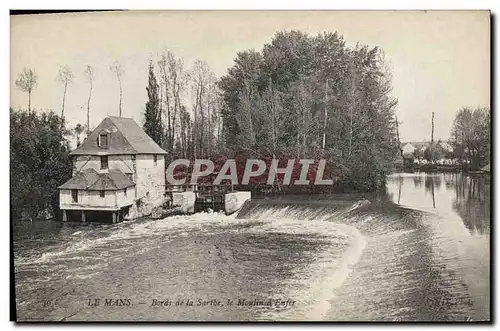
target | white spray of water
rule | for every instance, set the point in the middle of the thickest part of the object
(327, 270)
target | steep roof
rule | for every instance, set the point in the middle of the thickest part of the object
(90, 179)
(486, 168)
(409, 145)
(125, 137)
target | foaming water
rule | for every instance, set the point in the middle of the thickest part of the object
(329, 268)
(337, 257)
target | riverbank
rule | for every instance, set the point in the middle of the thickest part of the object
(444, 168)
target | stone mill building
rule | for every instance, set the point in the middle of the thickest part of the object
(114, 168)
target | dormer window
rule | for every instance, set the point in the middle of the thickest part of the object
(103, 140)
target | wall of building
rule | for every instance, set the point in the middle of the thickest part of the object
(122, 162)
(92, 200)
(125, 200)
(150, 177)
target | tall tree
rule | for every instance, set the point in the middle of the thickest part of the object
(173, 80)
(78, 129)
(352, 85)
(246, 70)
(117, 68)
(152, 115)
(39, 163)
(400, 148)
(471, 132)
(185, 133)
(27, 82)
(89, 73)
(273, 125)
(204, 91)
(65, 77)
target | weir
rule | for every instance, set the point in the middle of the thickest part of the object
(298, 208)
(203, 198)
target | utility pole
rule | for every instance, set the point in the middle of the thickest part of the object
(432, 139)
(397, 135)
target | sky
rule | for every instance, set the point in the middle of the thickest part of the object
(440, 60)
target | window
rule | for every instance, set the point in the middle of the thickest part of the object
(103, 140)
(102, 193)
(155, 158)
(125, 191)
(104, 162)
(74, 195)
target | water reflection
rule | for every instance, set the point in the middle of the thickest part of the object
(467, 196)
(472, 202)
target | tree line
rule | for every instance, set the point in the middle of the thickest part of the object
(40, 145)
(39, 163)
(27, 81)
(186, 131)
(301, 96)
(471, 137)
(469, 146)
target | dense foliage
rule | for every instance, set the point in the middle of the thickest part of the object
(471, 136)
(308, 96)
(300, 97)
(152, 115)
(39, 163)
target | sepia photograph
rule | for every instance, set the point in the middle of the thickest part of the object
(251, 166)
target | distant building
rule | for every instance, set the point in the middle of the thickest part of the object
(408, 149)
(116, 165)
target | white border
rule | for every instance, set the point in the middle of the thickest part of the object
(183, 4)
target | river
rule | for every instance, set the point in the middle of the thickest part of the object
(418, 252)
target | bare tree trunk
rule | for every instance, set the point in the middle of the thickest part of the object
(175, 89)
(326, 114)
(183, 137)
(160, 112)
(169, 124)
(209, 124)
(63, 102)
(351, 104)
(304, 131)
(194, 129)
(219, 133)
(200, 127)
(29, 102)
(350, 131)
(397, 136)
(88, 108)
(167, 105)
(121, 94)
